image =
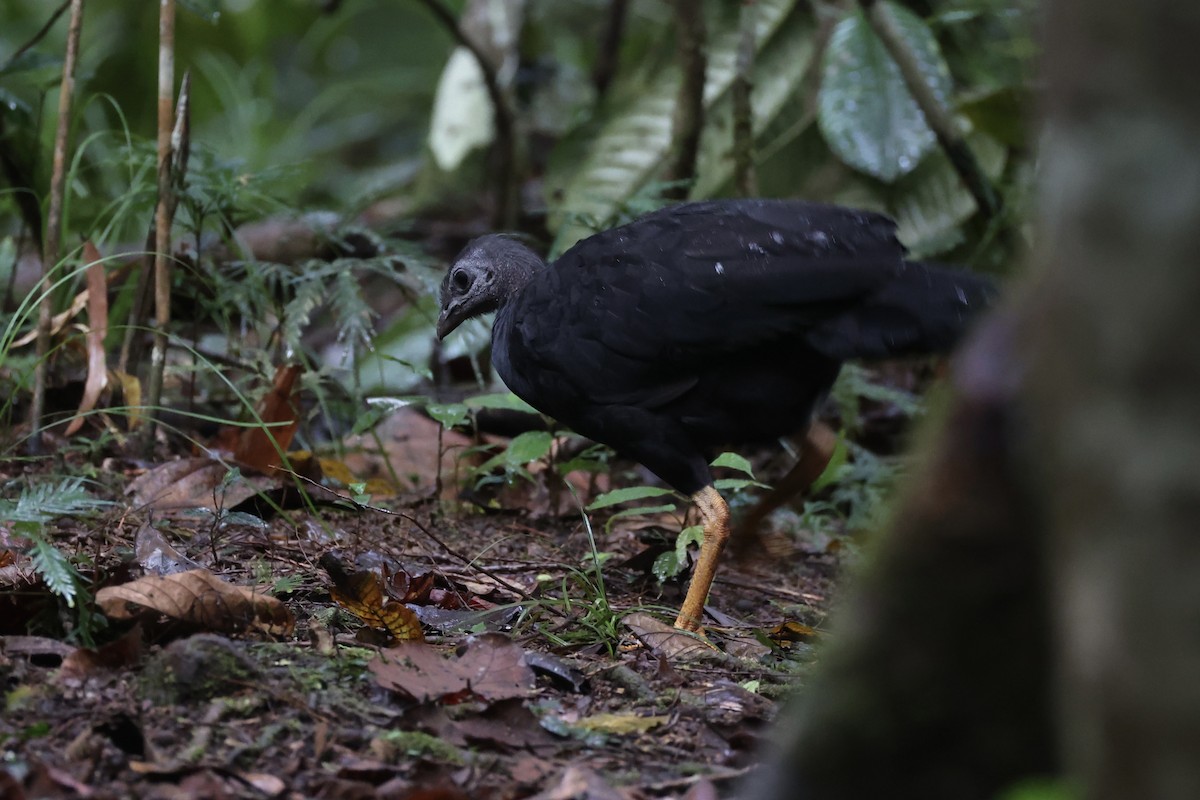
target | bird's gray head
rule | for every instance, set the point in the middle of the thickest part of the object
(486, 273)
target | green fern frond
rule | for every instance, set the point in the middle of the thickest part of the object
(43, 502)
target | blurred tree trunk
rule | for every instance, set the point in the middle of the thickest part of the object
(1115, 386)
(1038, 590)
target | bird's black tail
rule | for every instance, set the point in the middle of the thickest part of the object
(925, 308)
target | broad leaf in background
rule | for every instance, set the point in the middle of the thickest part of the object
(779, 72)
(864, 109)
(632, 146)
(463, 117)
(931, 203)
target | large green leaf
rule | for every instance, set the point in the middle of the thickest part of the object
(778, 75)
(932, 202)
(864, 108)
(631, 146)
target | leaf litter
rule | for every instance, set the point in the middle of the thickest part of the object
(228, 665)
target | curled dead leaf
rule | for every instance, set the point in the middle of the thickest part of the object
(361, 593)
(198, 597)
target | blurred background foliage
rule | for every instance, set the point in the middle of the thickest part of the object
(333, 100)
(300, 105)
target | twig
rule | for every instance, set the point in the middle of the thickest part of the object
(164, 211)
(37, 37)
(467, 562)
(610, 48)
(506, 148)
(131, 349)
(744, 177)
(936, 115)
(689, 108)
(54, 214)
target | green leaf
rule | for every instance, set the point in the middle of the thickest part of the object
(44, 502)
(55, 569)
(833, 469)
(628, 494)
(666, 566)
(29, 61)
(207, 10)
(691, 535)
(528, 446)
(633, 145)
(737, 484)
(733, 461)
(865, 110)
(504, 401)
(932, 202)
(448, 415)
(671, 563)
(780, 69)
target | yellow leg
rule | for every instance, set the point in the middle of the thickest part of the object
(715, 516)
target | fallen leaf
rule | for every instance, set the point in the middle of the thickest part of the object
(193, 483)
(199, 597)
(490, 667)
(97, 329)
(667, 641)
(621, 723)
(157, 556)
(361, 593)
(579, 783)
(791, 631)
(124, 652)
(261, 447)
(57, 322)
(131, 394)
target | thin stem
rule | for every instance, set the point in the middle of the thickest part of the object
(54, 221)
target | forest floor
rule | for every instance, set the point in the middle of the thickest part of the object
(240, 652)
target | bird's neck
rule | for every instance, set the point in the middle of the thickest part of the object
(515, 267)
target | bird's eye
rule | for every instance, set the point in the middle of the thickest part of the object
(461, 281)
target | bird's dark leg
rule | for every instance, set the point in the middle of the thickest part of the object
(815, 452)
(715, 515)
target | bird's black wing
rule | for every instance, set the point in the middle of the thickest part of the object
(634, 314)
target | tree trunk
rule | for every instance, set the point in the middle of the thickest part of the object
(1115, 390)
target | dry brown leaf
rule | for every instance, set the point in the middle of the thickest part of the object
(361, 593)
(57, 322)
(193, 483)
(85, 661)
(580, 783)
(261, 447)
(411, 450)
(666, 641)
(97, 329)
(156, 555)
(491, 668)
(197, 597)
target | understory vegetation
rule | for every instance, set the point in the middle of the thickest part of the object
(244, 456)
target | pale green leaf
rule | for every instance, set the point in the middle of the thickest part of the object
(735, 462)
(633, 145)
(627, 494)
(865, 110)
(528, 446)
(505, 401)
(448, 415)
